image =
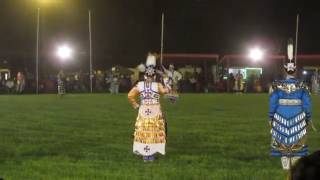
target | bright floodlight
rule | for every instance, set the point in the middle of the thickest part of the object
(64, 52)
(256, 54)
(304, 72)
(46, 2)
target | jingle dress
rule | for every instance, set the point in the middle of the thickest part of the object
(150, 134)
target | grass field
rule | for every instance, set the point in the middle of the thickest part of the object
(211, 136)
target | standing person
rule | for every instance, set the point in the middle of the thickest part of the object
(82, 81)
(61, 78)
(314, 82)
(238, 84)
(174, 77)
(231, 81)
(21, 82)
(194, 81)
(318, 82)
(114, 81)
(128, 82)
(289, 114)
(258, 87)
(171, 79)
(99, 81)
(150, 129)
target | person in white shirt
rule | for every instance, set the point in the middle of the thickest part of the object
(173, 77)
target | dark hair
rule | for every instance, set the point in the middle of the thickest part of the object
(306, 168)
(291, 72)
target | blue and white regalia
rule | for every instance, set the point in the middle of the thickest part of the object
(290, 112)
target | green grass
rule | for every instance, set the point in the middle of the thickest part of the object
(211, 136)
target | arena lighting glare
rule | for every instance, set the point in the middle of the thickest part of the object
(256, 54)
(64, 52)
(48, 2)
(304, 72)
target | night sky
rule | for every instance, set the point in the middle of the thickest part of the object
(124, 31)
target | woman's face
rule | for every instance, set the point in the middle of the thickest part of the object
(150, 78)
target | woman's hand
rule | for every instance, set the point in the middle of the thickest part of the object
(270, 123)
(135, 105)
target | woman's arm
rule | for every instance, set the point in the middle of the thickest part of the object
(162, 90)
(134, 92)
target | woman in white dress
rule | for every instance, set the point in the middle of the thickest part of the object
(150, 132)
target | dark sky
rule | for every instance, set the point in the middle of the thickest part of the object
(125, 30)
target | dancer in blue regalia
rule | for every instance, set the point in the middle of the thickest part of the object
(290, 114)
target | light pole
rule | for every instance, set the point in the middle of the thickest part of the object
(90, 50)
(37, 51)
(39, 3)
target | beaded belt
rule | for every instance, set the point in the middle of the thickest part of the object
(290, 102)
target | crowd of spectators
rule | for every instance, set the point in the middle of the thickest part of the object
(74, 82)
(102, 81)
(120, 80)
(237, 83)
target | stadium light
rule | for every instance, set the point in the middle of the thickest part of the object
(44, 1)
(305, 72)
(64, 52)
(47, 2)
(256, 54)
